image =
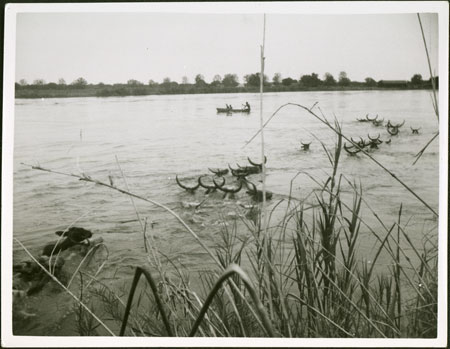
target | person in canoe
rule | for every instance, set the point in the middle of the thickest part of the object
(247, 106)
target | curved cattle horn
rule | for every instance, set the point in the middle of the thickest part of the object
(241, 173)
(231, 168)
(389, 124)
(378, 122)
(254, 163)
(251, 190)
(353, 141)
(373, 139)
(185, 187)
(257, 194)
(394, 131)
(400, 125)
(351, 152)
(228, 190)
(217, 185)
(306, 144)
(388, 141)
(415, 130)
(369, 119)
(206, 186)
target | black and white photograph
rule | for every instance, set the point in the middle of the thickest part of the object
(225, 174)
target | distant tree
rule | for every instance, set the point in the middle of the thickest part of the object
(417, 79)
(230, 80)
(23, 82)
(80, 82)
(200, 80)
(166, 81)
(254, 80)
(184, 80)
(133, 82)
(310, 80)
(370, 82)
(329, 80)
(217, 80)
(343, 79)
(276, 79)
(39, 82)
(153, 83)
(61, 82)
(288, 81)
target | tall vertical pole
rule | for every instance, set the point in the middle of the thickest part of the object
(266, 244)
(261, 119)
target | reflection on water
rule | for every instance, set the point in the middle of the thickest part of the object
(157, 137)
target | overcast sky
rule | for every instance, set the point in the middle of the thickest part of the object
(116, 47)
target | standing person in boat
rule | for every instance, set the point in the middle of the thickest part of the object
(247, 106)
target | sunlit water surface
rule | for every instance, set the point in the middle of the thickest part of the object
(156, 137)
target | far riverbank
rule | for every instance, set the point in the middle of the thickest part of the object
(117, 90)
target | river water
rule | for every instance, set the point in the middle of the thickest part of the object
(155, 138)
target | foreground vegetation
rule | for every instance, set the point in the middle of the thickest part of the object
(304, 276)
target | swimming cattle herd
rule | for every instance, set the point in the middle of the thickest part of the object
(217, 182)
(372, 143)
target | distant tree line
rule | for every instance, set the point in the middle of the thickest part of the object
(226, 84)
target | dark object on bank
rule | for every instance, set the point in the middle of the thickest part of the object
(75, 234)
(54, 248)
(41, 278)
(71, 237)
(31, 272)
